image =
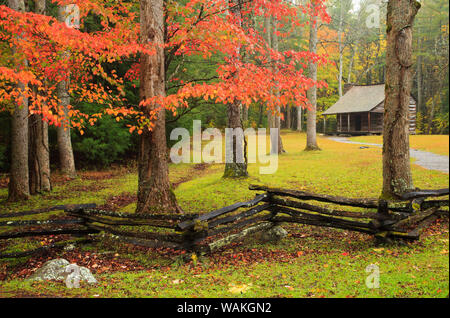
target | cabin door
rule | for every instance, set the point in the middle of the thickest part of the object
(358, 123)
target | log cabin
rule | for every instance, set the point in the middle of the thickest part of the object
(360, 111)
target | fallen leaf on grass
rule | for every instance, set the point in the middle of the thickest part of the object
(238, 289)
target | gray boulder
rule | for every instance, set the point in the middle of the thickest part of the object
(274, 234)
(56, 270)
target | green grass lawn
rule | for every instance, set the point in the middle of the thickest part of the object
(435, 143)
(310, 262)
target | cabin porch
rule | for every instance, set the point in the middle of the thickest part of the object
(363, 123)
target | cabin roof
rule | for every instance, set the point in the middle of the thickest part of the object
(358, 99)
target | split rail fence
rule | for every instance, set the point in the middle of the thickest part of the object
(206, 233)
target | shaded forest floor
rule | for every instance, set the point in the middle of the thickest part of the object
(310, 262)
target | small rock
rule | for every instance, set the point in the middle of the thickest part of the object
(274, 234)
(56, 270)
(51, 270)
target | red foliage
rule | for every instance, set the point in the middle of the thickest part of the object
(201, 28)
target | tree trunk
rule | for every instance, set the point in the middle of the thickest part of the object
(277, 119)
(38, 148)
(350, 66)
(38, 155)
(311, 139)
(288, 118)
(261, 115)
(419, 78)
(341, 49)
(299, 118)
(244, 114)
(397, 177)
(268, 26)
(154, 190)
(235, 169)
(39, 6)
(66, 158)
(18, 188)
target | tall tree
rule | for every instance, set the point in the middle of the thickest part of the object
(311, 138)
(341, 47)
(288, 117)
(277, 119)
(299, 119)
(66, 158)
(39, 152)
(397, 177)
(154, 189)
(18, 188)
(234, 168)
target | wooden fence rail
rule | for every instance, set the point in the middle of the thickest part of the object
(206, 233)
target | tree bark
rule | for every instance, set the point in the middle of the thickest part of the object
(39, 6)
(38, 155)
(311, 139)
(154, 190)
(244, 114)
(38, 148)
(235, 169)
(268, 27)
(299, 118)
(341, 49)
(397, 177)
(66, 157)
(18, 188)
(350, 66)
(277, 119)
(288, 118)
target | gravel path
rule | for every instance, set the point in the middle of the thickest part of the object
(425, 159)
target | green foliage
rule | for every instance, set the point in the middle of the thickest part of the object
(441, 123)
(4, 162)
(104, 143)
(4, 142)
